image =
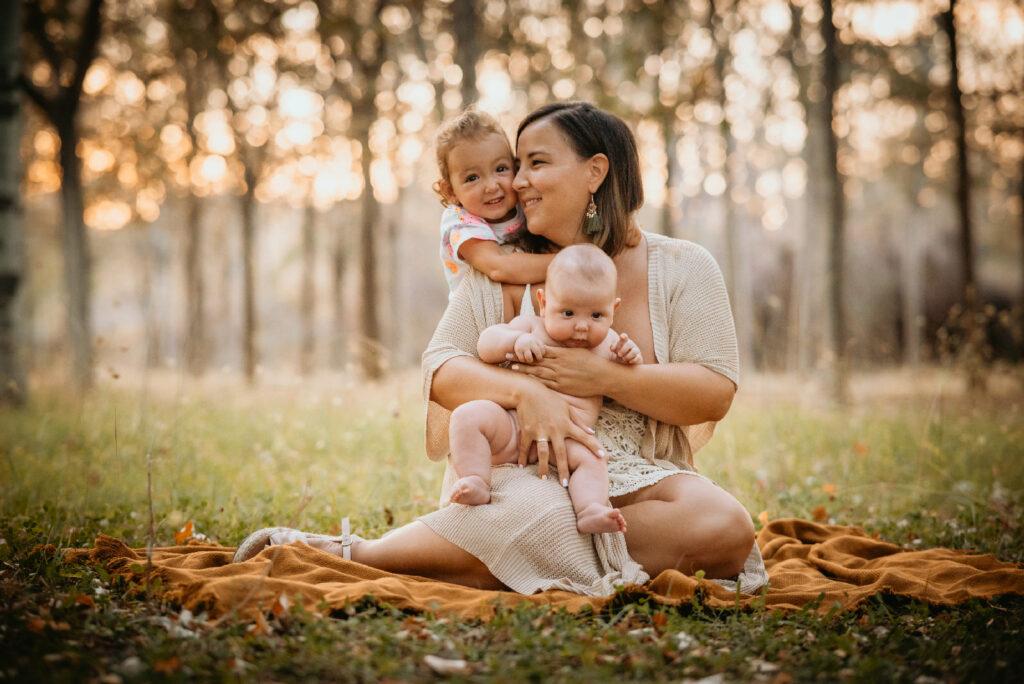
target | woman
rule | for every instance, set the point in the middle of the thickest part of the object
(573, 158)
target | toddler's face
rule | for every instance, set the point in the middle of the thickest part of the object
(577, 315)
(481, 177)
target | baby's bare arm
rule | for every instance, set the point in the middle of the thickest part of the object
(499, 340)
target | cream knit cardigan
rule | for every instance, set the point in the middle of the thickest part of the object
(527, 535)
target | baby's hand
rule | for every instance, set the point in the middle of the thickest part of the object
(626, 350)
(528, 348)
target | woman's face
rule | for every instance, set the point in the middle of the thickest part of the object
(552, 182)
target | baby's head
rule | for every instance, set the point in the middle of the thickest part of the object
(578, 301)
(476, 166)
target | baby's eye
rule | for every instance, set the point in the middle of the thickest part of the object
(471, 177)
(502, 168)
(597, 315)
(568, 313)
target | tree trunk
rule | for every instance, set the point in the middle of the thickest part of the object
(149, 255)
(195, 316)
(669, 208)
(308, 299)
(13, 388)
(77, 260)
(371, 348)
(736, 267)
(249, 322)
(837, 215)
(466, 26)
(973, 332)
(338, 264)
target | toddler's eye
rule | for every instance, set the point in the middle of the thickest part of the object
(502, 168)
(597, 316)
(471, 177)
(568, 313)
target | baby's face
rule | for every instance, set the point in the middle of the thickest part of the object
(481, 177)
(578, 315)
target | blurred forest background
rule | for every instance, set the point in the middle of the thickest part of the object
(242, 187)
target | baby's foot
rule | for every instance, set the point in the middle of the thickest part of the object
(597, 518)
(471, 490)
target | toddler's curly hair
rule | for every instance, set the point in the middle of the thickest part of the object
(471, 124)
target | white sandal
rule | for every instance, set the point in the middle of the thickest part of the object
(261, 539)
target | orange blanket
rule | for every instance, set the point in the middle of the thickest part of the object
(805, 561)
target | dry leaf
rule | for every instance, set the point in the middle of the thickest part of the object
(446, 666)
(167, 666)
(85, 600)
(36, 624)
(184, 534)
(820, 514)
(281, 606)
(830, 489)
(659, 620)
(860, 448)
(762, 517)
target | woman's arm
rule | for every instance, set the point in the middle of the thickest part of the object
(674, 393)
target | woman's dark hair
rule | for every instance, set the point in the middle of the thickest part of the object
(589, 131)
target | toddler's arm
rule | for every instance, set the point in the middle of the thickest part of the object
(515, 268)
(518, 336)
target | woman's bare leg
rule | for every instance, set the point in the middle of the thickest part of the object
(689, 524)
(415, 549)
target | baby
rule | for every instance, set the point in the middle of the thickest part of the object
(481, 212)
(576, 311)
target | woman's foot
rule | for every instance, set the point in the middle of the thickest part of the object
(597, 518)
(471, 490)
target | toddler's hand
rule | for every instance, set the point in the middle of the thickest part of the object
(528, 348)
(626, 350)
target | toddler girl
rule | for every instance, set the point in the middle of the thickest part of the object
(481, 208)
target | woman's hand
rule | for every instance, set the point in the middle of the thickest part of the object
(548, 420)
(579, 372)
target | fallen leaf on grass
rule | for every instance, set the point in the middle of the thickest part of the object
(184, 534)
(281, 606)
(85, 600)
(820, 514)
(860, 448)
(446, 666)
(36, 624)
(168, 665)
(829, 489)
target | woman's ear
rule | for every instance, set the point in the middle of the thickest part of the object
(618, 300)
(597, 169)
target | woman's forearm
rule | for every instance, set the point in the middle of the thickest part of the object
(465, 378)
(674, 393)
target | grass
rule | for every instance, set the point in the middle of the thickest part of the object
(919, 465)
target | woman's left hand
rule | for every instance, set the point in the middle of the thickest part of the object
(571, 371)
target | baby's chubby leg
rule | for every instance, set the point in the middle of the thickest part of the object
(481, 434)
(588, 489)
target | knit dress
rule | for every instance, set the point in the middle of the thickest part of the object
(526, 535)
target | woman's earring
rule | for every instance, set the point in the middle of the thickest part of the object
(593, 223)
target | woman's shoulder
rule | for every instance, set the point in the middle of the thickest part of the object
(678, 258)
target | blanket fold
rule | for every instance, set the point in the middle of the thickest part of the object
(806, 562)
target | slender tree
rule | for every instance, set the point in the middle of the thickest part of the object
(973, 333)
(466, 27)
(836, 214)
(12, 375)
(67, 59)
(307, 305)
